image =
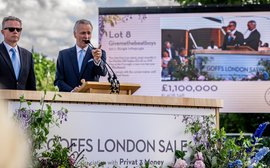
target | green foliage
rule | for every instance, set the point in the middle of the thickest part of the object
(266, 142)
(221, 2)
(217, 149)
(45, 72)
(148, 165)
(37, 123)
(57, 156)
(188, 71)
(246, 122)
(179, 154)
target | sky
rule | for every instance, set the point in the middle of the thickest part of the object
(48, 24)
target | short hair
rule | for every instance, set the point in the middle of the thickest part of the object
(165, 51)
(181, 49)
(81, 21)
(166, 42)
(13, 18)
(233, 22)
(252, 21)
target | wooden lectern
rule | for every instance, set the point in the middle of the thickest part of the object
(105, 87)
(240, 48)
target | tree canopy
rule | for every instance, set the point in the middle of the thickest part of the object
(221, 2)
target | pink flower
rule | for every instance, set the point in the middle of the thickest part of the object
(199, 156)
(180, 164)
(71, 161)
(199, 164)
(201, 78)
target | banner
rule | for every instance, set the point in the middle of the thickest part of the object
(120, 135)
(135, 46)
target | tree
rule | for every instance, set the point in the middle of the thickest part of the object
(221, 2)
(45, 72)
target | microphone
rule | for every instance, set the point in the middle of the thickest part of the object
(115, 84)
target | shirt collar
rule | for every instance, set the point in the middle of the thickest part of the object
(233, 31)
(253, 30)
(8, 47)
(78, 49)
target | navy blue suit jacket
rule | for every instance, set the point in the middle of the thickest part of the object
(67, 70)
(26, 79)
(239, 39)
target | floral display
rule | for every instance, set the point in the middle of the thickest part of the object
(37, 123)
(180, 163)
(211, 148)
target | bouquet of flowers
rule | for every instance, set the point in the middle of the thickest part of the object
(37, 124)
(211, 147)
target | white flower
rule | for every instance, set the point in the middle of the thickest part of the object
(201, 78)
(186, 79)
(250, 76)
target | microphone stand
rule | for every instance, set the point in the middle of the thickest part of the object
(112, 79)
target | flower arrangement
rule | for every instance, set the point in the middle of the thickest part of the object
(262, 73)
(211, 147)
(37, 124)
(190, 71)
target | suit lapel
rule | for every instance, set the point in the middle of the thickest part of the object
(22, 60)
(74, 61)
(5, 55)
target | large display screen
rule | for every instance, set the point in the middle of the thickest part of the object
(200, 52)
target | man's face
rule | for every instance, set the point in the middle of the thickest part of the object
(182, 53)
(251, 26)
(231, 27)
(83, 32)
(168, 45)
(11, 32)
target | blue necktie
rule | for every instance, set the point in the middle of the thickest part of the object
(15, 62)
(229, 38)
(80, 60)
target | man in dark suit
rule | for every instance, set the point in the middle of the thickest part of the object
(252, 36)
(232, 37)
(16, 63)
(170, 49)
(182, 57)
(81, 61)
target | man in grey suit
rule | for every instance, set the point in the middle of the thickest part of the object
(252, 36)
(81, 61)
(16, 63)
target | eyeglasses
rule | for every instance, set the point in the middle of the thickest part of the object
(12, 29)
(230, 25)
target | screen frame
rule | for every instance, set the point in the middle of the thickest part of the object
(180, 9)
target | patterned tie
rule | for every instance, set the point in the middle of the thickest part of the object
(80, 60)
(15, 62)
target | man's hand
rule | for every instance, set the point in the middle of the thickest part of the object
(76, 89)
(97, 53)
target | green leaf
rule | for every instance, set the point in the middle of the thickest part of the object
(179, 154)
(101, 164)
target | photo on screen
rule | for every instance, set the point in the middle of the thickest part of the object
(224, 48)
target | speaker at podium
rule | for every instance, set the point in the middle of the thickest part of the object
(240, 48)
